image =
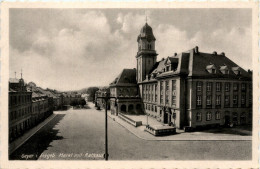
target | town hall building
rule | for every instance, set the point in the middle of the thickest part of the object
(191, 88)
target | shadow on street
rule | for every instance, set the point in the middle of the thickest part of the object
(238, 130)
(39, 142)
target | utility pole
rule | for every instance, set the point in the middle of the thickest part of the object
(106, 99)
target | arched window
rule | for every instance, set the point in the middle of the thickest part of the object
(130, 108)
(123, 108)
(208, 116)
(198, 116)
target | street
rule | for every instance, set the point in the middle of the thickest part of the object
(79, 135)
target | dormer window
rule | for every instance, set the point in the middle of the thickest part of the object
(224, 70)
(211, 68)
(167, 68)
(237, 70)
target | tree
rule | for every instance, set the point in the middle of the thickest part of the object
(91, 92)
(74, 103)
(83, 102)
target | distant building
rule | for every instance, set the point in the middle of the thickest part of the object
(99, 102)
(69, 98)
(55, 97)
(20, 108)
(191, 88)
(42, 107)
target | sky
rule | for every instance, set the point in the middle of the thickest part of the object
(70, 49)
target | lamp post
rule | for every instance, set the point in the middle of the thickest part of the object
(147, 118)
(106, 98)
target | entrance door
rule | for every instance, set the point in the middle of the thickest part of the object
(165, 118)
(227, 120)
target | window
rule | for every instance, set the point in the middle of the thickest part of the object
(156, 93)
(235, 86)
(198, 116)
(208, 100)
(199, 85)
(174, 100)
(174, 85)
(208, 116)
(161, 87)
(198, 100)
(174, 92)
(152, 107)
(155, 108)
(243, 99)
(235, 99)
(167, 92)
(149, 93)
(243, 86)
(250, 86)
(218, 86)
(227, 86)
(226, 100)
(218, 100)
(209, 87)
(250, 99)
(214, 71)
(217, 115)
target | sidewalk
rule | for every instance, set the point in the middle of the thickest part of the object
(180, 136)
(21, 140)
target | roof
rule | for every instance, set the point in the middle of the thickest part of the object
(13, 80)
(201, 60)
(12, 90)
(126, 78)
(146, 33)
(197, 64)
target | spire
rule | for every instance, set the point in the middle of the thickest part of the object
(15, 74)
(21, 73)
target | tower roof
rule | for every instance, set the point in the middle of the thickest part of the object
(146, 33)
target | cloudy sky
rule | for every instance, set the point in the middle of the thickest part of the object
(69, 49)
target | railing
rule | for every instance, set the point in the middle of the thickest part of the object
(159, 132)
(129, 120)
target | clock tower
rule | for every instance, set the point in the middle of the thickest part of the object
(146, 55)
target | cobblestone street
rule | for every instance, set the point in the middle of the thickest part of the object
(79, 134)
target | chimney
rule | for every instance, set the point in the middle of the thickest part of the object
(214, 53)
(196, 49)
(222, 53)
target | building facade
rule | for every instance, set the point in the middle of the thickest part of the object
(191, 88)
(20, 107)
(42, 107)
(27, 107)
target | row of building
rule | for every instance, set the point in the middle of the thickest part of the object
(30, 104)
(191, 88)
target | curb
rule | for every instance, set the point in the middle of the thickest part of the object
(129, 130)
(41, 125)
(114, 119)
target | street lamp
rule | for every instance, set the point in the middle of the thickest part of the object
(106, 98)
